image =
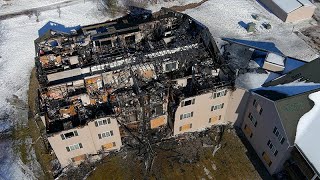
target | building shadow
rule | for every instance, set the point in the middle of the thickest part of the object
(243, 24)
(253, 157)
(260, 45)
(251, 154)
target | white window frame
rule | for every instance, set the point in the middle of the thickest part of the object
(75, 147)
(217, 107)
(183, 103)
(219, 94)
(105, 134)
(102, 122)
(186, 115)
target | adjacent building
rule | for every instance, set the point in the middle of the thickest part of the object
(290, 10)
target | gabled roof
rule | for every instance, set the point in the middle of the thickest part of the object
(290, 111)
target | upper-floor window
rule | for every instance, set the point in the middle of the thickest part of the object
(219, 94)
(187, 102)
(171, 66)
(69, 135)
(253, 120)
(279, 135)
(257, 106)
(255, 103)
(74, 147)
(272, 148)
(105, 134)
(186, 115)
(102, 122)
(216, 107)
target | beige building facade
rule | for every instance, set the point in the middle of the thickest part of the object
(75, 145)
(202, 111)
(290, 10)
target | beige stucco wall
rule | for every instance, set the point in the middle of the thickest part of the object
(272, 67)
(237, 106)
(305, 12)
(201, 112)
(264, 132)
(88, 136)
(302, 13)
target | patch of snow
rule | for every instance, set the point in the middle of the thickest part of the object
(227, 18)
(251, 80)
(275, 58)
(16, 62)
(207, 172)
(293, 88)
(165, 3)
(308, 132)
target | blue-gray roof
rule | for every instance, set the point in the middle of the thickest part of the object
(56, 27)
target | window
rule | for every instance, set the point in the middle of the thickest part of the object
(102, 122)
(253, 120)
(279, 136)
(188, 102)
(170, 66)
(186, 115)
(248, 131)
(219, 94)
(69, 135)
(185, 127)
(260, 112)
(266, 158)
(216, 107)
(214, 119)
(74, 147)
(254, 103)
(272, 148)
(105, 134)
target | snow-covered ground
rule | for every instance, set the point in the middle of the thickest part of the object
(225, 18)
(17, 48)
(308, 132)
(16, 63)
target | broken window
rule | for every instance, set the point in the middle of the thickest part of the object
(171, 66)
(216, 107)
(219, 94)
(69, 135)
(102, 122)
(130, 39)
(188, 102)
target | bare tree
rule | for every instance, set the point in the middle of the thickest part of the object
(37, 14)
(59, 11)
(136, 3)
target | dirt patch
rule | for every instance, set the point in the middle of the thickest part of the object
(187, 6)
(201, 155)
(312, 37)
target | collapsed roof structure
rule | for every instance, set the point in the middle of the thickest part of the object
(136, 69)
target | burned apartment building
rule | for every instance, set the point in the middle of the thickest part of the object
(130, 82)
